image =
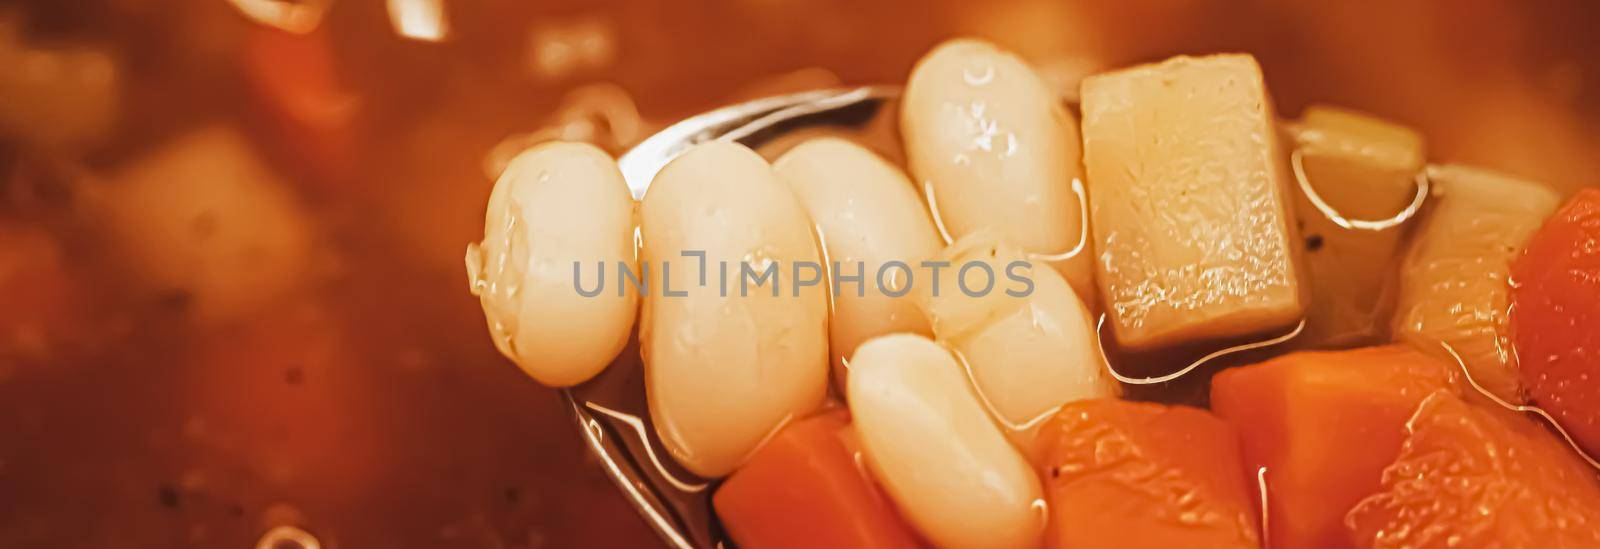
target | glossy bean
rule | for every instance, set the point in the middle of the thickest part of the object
(997, 150)
(557, 214)
(728, 361)
(866, 214)
(930, 442)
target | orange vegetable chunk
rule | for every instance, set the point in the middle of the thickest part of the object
(1470, 476)
(1324, 425)
(805, 489)
(40, 300)
(310, 111)
(1124, 474)
(1554, 314)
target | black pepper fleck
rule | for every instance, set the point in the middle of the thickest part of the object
(1313, 243)
(167, 495)
(175, 300)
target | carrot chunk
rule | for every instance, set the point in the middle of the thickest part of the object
(41, 303)
(1470, 476)
(1555, 305)
(805, 489)
(1126, 474)
(309, 110)
(1324, 425)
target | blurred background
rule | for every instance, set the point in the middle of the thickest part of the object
(232, 296)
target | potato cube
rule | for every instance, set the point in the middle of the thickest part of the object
(1364, 170)
(206, 216)
(1189, 202)
(1453, 284)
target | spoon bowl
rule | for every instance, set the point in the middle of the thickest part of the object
(611, 410)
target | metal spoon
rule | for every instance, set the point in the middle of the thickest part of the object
(610, 410)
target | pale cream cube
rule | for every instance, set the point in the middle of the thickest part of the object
(1189, 202)
(1364, 169)
(206, 216)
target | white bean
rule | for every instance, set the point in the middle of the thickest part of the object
(1030, 346)
(866, 214)
(928, 440)
(727, 365)
(557, 214)
(998, 150)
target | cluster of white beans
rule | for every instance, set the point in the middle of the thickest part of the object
(945, 391)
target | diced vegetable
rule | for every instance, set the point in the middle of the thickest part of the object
(1189, 202)
(1134, 475)
(304, 101)
(1324, 425)
(1555, 317)
(725, 366)
(805, 488)
(999, 151)
(1030, 347)
(559, 228)
(42, 301)
(1479, 477)
(1453, 287)
(866, 214)
(934, 448)
(206, 216)
(1371, 143)
(1364, 169)
(56, 98)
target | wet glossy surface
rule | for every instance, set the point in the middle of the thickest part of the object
(1189, 198)
(370, 407)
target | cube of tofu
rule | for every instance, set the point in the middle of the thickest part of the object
(61, 98)
(1453, 284)
(1356, 148)
(1189, 202)
(206, 216)
(1364, 169)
